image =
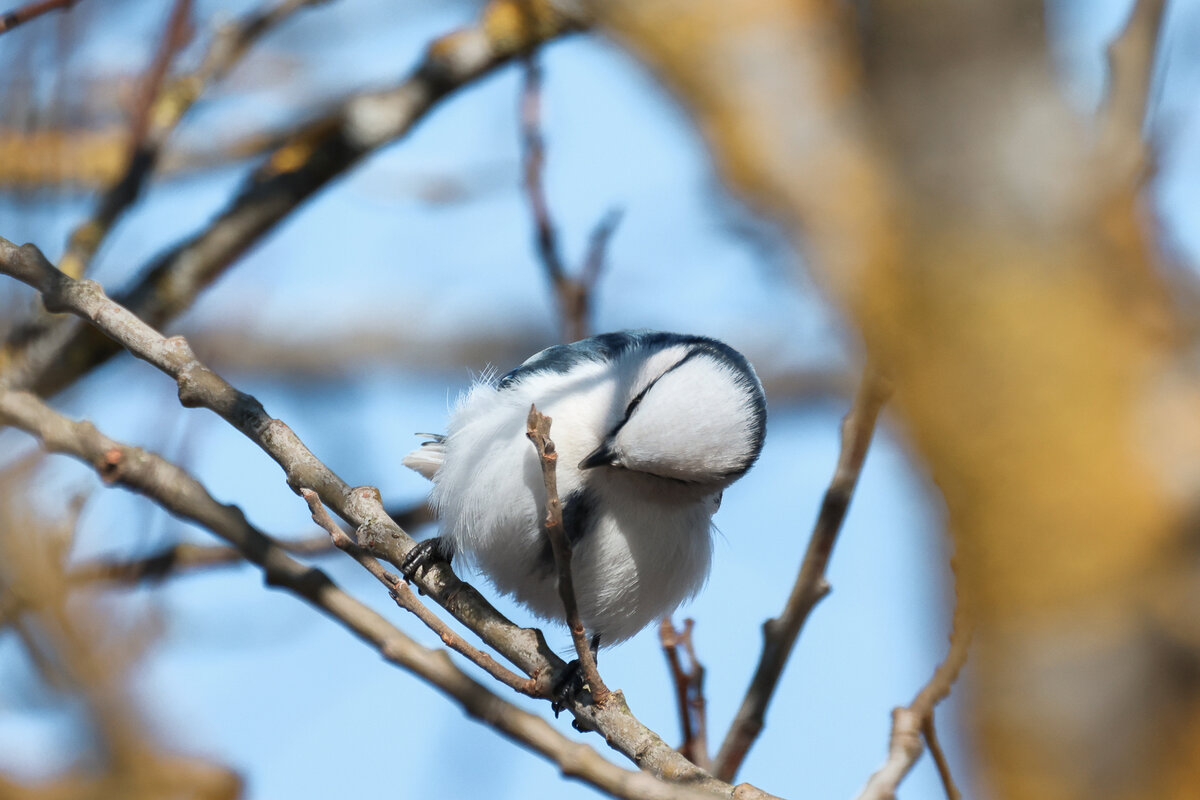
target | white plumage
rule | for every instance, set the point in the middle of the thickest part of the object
(650, 429)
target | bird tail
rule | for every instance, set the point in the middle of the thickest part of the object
(427, 458)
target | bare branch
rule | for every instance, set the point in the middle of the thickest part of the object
(187, 557)
(161, 106)
(361, 506)
(929, 729)
(21, 15)
(142, 152)
(689, 690)
(593, 262)
(572, 294)
(910, 722)
(780, 633)
(1131, 59)
(538, 431)
(534, 150)
(404, 598)
(305, 163)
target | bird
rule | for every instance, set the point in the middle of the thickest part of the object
(650, 428)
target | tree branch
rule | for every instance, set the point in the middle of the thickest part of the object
(910, 722)
(161, 107)
(361, 506)
(404, 598)
(305, 163)
(689, 690)
(23, 14)
(780, 633)
(1131, 60)
(538, 432)
(572, 294)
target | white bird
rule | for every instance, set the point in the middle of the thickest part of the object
(650, 429)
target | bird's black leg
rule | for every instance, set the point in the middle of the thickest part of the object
(427, 552)
(569, 684)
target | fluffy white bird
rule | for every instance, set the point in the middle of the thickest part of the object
(650, 428)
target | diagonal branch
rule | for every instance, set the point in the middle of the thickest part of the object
(178, 492)
(538, 431)
(1131, 60)
(404, 598)
(780, 633)
(360, 506)
(302, 165)
(910, 722)
(161, 107)
(23, 14)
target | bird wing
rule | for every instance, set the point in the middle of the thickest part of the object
(427, 458)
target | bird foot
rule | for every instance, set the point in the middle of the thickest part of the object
(424, 555)
(568, 687)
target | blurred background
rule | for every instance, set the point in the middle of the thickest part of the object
(361, 316)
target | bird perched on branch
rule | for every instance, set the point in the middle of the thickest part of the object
(650, 428)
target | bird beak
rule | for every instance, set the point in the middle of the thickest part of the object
(602, 456)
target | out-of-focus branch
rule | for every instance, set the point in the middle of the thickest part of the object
(78, 651)
(161, 106)
(199, 386)
(1131, 60)
(573, 295)
(142, 151)
(177, 491)
(296, 356)
(689, 690)
(305, 163)
(916, 719)
(187, 557)
(22, 14)
(537, 429)
(780, 633)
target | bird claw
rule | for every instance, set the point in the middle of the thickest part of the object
(424, 555)
(567, 687)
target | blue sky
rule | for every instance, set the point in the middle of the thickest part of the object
(255, 679)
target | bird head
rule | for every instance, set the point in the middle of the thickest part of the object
(693, 412)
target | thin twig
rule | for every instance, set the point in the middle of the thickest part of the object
(360, 506)
(908, 723)
(176, 35)
(21, 15)
(593, 262)
(404, 598)
(143, 149)
(780, 633)
(534, 148)
(572, 294)
(178, 492)
(689, 690)
(186, 557)
(538, 431)
(929, 729)
(307, 161)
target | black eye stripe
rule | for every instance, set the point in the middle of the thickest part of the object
(637, 400)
